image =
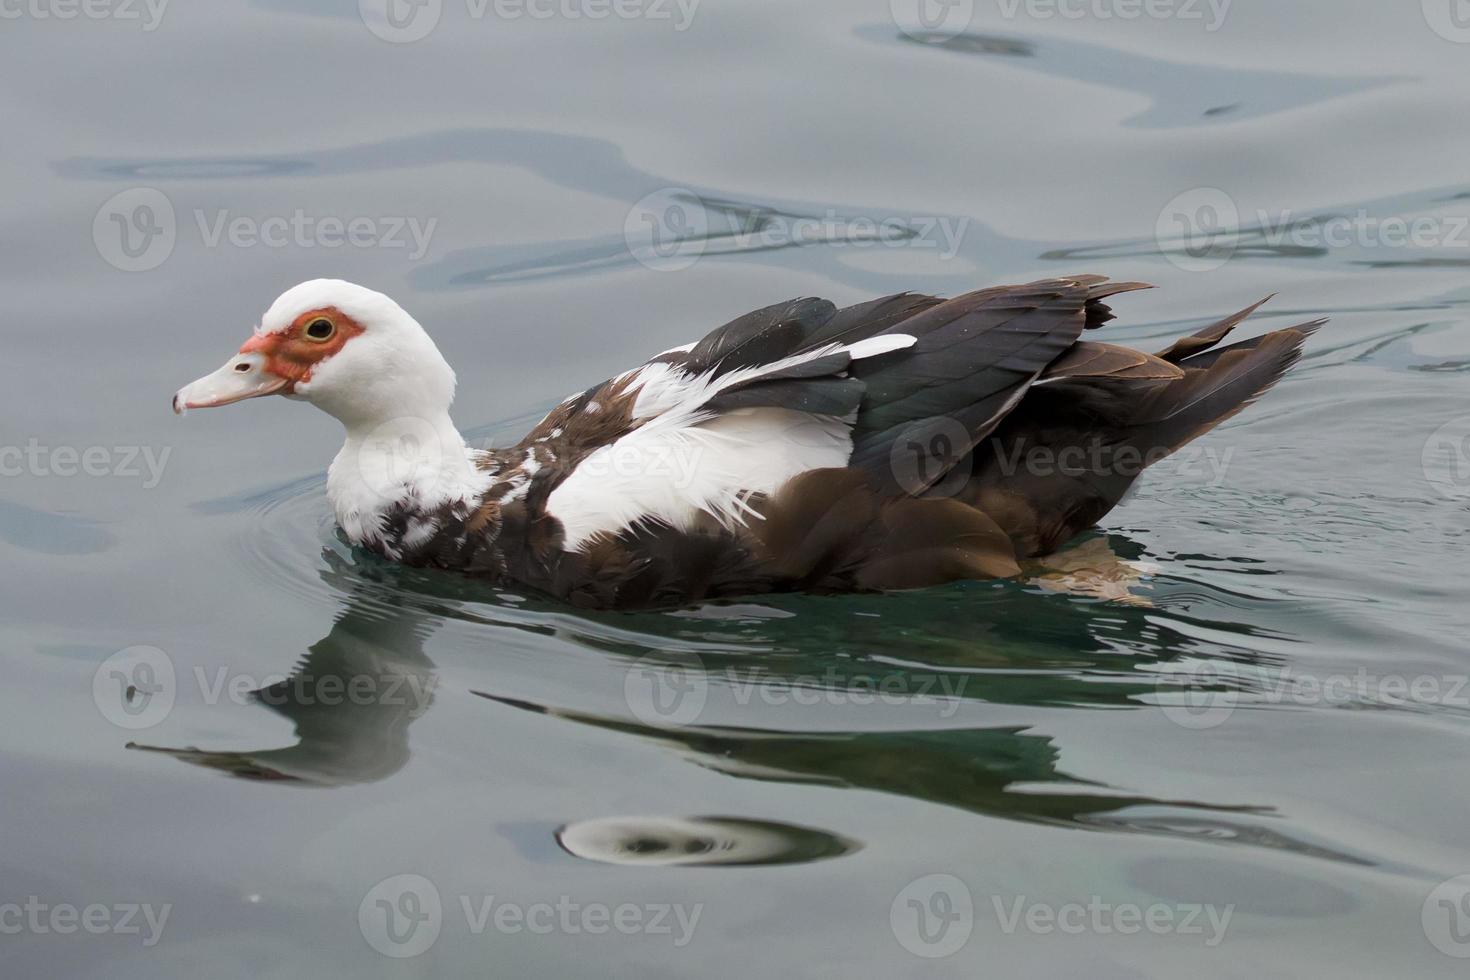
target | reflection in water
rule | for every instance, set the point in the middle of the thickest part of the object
(351, 698)
(973, 43)
(50, 534)
(1006, 773)
(724, 227)
(1372, 233)
(986, 644)
(1184, 94)
(701, 841)
(1275, 892)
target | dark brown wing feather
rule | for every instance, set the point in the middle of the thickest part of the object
(1209, 336)
(973, 360)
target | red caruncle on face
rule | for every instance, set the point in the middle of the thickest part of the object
(311, 338)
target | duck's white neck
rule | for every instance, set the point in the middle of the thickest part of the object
(412, 464)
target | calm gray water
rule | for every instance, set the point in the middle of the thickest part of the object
(1254, 767)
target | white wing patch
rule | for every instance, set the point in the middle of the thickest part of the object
(685, 461)
(670, 474)
(664, 388)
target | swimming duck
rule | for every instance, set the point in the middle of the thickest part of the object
(897, 444)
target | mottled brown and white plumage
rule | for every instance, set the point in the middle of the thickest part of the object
(889, 445)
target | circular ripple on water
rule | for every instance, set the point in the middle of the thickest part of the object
(287, 533)
(699, 841)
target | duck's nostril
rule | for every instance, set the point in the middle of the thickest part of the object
(242, 367)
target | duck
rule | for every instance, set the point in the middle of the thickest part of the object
(903, 443)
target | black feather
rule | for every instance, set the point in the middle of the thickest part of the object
(762, 337)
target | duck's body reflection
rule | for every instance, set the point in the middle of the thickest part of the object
(376, 648)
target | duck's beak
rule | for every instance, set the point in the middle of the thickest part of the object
(244, 376)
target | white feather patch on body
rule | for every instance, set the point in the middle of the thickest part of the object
(670, 474)
(685, 461)
(664, 387)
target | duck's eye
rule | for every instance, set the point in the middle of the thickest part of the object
(320, 330)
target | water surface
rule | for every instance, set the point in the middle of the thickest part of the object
(1275, 722)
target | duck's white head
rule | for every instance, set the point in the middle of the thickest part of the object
(355, 354)
(350, 351)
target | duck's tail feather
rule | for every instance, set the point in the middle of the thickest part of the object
(1072, 449)
(1217, 385)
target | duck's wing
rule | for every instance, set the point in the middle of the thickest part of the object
(701, 431)
(698, 431)
(974, 359)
